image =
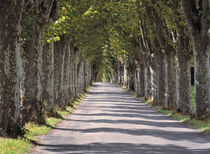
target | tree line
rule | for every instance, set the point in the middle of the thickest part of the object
(51, 50)
(159, 42)
(36, 75)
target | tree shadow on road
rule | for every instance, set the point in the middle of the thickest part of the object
(121, 148)
(195, 137)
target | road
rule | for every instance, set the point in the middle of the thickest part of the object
(111, 121)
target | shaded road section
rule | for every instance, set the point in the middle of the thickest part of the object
(111, 121)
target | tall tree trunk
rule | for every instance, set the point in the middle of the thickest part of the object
(10, 67)
(57, 71)
(69, 72)
(209, 77)
(184, 100)
(171, 80)
(154, 77)
(125, 78)
(131, 77)
(72, 72)
(137, 81)
(48, 79)
(85, 75)
(147, 80)
(76, 69)
(161, 78)
(164, 38)
(34, 108)
(201, 57)
(198, 22)
(118, 73)
(62, 72)
(141, 81)
(66, 73)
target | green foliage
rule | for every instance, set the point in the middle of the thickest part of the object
(93, 25)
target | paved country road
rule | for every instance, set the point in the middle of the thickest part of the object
(113, 122)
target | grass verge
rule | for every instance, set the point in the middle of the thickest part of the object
(24, 144)
(203, 126)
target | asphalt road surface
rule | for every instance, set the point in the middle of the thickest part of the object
(110, 121)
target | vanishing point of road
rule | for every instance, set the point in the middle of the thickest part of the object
(111, 121)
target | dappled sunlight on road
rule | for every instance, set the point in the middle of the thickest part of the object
(112, 121)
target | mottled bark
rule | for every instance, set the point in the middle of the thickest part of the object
(198, 22)
(79, 74)
(147, 82)
(85, 75)
(145, 44)
(125, 77)
(76, 69)
(10, 67)
(33, 105)
(131, 76)
(57, 71)
(164, 39)
(171, 79)
(141, 62)
(161, 78)
(209, 74)
(184, 101)
(68, 73)
(48, 79)
(141, 81)
(154, 77)
(89, 73)
(61, 93)
(119, 72)
(201, 57)
(159, 75)
(137, 81)
(72, 72)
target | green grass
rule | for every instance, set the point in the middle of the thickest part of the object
(203, 126)
(13, 146)
(24, 144)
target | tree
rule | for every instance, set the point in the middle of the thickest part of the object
(197, 16)
(39, 12)
(171, 11)
(10, 67)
